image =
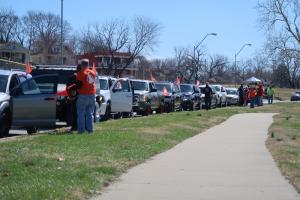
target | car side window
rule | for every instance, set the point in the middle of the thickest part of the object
(13, 82)
(46, 84)
(121, 85)
(22, 78)
(30, 87)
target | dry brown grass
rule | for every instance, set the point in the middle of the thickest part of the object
(284, 142)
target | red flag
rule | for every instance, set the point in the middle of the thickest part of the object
(177, 80)
(165, 91)
(28, 68)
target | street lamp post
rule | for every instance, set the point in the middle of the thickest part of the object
(235, 55)
(61, 32)
(195, 48)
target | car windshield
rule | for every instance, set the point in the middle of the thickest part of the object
(140, 85)
(160, 87)
(3, 82)
(218, 89)
(103, 84)
(186, 88)
(176, 88)
(233, 92)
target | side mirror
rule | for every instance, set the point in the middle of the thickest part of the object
(17, 91)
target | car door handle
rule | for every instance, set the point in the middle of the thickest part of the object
(49, 99)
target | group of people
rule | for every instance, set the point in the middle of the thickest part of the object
(81, 91)
(254, 94)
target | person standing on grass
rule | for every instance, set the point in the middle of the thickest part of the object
(270, 93)
(207, 98)
(246, 93)
(86, 97)
(72, 87)
(252, 96)
(260, 94)
(241, 94)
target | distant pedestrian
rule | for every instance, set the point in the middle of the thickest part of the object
(241, 95)
(86, 97)
(252, 96)
(270, 94)
(207, 98)
(245, 97)
(260, 94)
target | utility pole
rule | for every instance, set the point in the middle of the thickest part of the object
(194, 58)
(235, 65)
(61, 31)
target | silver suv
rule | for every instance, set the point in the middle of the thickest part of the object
(8, 80)
(25, 101)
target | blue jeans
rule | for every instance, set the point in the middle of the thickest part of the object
(270, 99)
(252, 102)
(85, 110)
(260, 101)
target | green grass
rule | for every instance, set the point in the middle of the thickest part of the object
(71, 166)
(284, 93)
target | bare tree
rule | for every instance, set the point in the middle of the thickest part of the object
(283, 15)
(214, 67)
(116, 36)
(44, 30)
(8, 22)
(142, 38)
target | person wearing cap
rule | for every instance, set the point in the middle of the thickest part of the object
(86, 97)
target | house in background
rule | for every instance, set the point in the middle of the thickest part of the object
(52, 56)
(104, 61)
(14, 52)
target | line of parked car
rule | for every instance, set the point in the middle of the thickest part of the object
(30, 101)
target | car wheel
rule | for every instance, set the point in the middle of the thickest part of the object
(31, 130)
(4, 124)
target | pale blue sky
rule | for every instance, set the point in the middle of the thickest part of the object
(184, 22)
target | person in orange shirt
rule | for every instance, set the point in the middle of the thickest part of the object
(252, 96)
(86, 97)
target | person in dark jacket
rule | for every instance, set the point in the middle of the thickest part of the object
(72, 86)
(241, 95)
(207, 98)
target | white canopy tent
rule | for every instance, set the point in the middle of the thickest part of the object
(252, 80)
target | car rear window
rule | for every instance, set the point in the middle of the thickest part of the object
(160, 87)
(186, 88)
(140, 85)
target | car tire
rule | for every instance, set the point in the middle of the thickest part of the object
(4, 124)
(31, 130)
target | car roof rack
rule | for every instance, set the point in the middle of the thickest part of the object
(56, 67)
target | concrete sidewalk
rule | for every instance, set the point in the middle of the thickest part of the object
(227, 162)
